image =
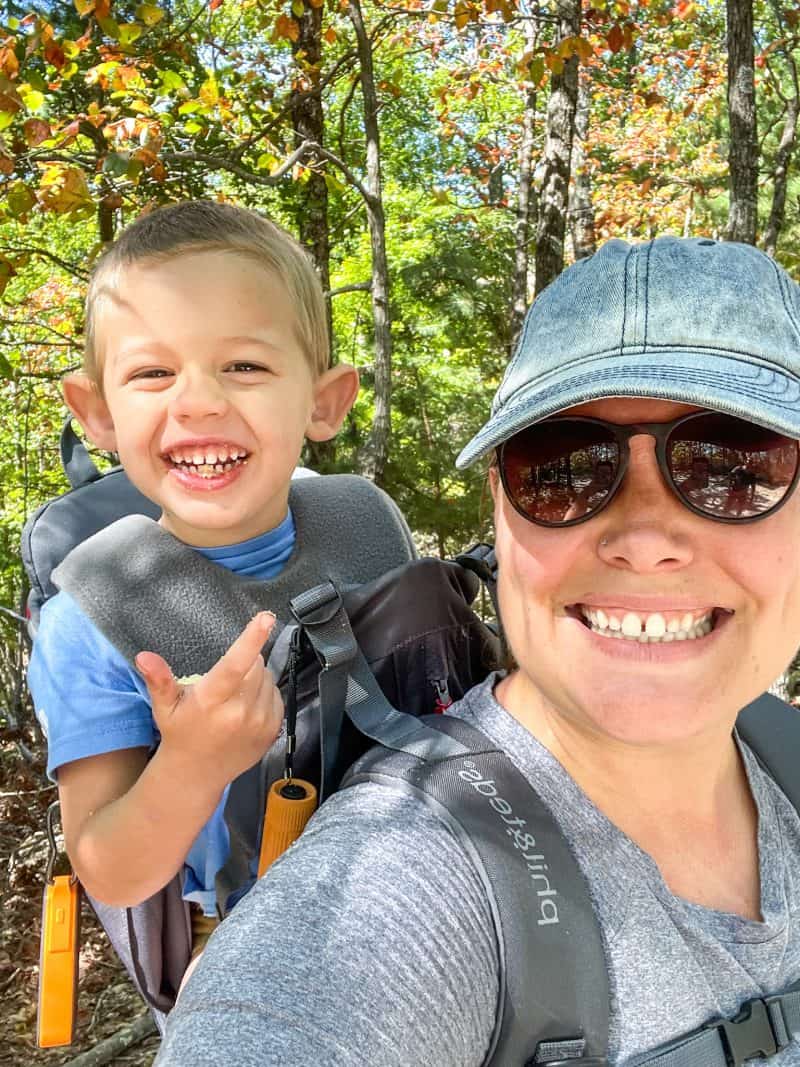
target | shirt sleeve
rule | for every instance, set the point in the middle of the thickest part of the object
(369, 942)
(87, 697)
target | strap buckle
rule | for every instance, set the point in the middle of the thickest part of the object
(316, 606)
(750, 1033)
(481, 560)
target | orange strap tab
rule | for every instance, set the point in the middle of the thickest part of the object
(290, 804)
(58, 962)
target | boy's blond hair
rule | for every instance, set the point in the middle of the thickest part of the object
(207, 226)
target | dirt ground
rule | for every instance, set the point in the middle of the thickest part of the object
(107, 1000)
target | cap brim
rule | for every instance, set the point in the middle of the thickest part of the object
(737, 386)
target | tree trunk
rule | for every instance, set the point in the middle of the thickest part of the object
(743, 150)
(554, 195)
(783, 159)
(308, 122)
(526, 198)
(581, 209)
(375, 452)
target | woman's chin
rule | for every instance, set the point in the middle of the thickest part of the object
(643, 715)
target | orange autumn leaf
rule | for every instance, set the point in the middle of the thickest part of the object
(36, 131)
(54, 54)
(615, 38)
(286, 28)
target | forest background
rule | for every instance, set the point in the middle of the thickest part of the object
(441, 159)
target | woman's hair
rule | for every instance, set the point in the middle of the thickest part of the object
(206, 226)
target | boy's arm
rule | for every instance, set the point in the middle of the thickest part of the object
(129, 823)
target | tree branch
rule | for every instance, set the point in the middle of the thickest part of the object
(356, 287)
(108, 1050)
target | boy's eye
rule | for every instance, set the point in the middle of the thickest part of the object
(151, 372)
(244, 365)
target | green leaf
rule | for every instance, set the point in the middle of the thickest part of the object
(171, 82)
(334, 185)
(36, 81)
(116, 164)
(129, 33)
(110, 27)
(298, 8)
(536, 69)
(5, 367)
(20, 199)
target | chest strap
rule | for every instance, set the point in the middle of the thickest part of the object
(763, 1028)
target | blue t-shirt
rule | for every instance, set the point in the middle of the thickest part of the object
(90, 700)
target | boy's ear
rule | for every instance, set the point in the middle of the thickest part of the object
(335, 392)
(85, 401)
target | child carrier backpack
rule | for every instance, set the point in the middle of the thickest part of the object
(412, 630)
(354, 561)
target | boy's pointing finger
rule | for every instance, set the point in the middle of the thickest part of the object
(225, 678)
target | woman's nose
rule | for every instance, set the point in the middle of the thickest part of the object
(646, 529)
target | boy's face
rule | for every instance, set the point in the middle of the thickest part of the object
(207, 393)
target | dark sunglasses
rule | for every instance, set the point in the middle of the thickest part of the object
(565, 470)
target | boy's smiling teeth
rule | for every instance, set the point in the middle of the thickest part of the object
(654, 627)
(208, 461)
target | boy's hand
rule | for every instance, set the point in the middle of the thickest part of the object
(225, 722)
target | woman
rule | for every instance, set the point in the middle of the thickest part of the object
(642, 616)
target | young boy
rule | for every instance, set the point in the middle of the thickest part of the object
(206, 365)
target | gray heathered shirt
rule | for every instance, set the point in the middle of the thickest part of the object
(370, 942)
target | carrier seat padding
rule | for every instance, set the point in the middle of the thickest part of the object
(144, 589)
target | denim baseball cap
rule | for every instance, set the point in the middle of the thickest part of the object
(711, 323)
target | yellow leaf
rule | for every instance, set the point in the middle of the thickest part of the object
(209, 92)
(32, 98)
(149, 14)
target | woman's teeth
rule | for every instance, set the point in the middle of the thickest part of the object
(654, 628)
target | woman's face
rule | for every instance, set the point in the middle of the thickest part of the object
(643, 556)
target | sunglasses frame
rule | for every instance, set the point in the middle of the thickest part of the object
(660, 432)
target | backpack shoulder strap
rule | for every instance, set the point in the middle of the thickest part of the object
(772, 730)
(189, 609)
(553, 1004)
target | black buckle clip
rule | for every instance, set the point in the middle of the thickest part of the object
(750, 1033)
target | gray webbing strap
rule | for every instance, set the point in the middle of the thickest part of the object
(78, 465)
(348, 686)
(769, 726)
(761, 1029)
(481, 560)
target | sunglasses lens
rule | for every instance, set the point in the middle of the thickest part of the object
(730, 469)
(558, 472)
